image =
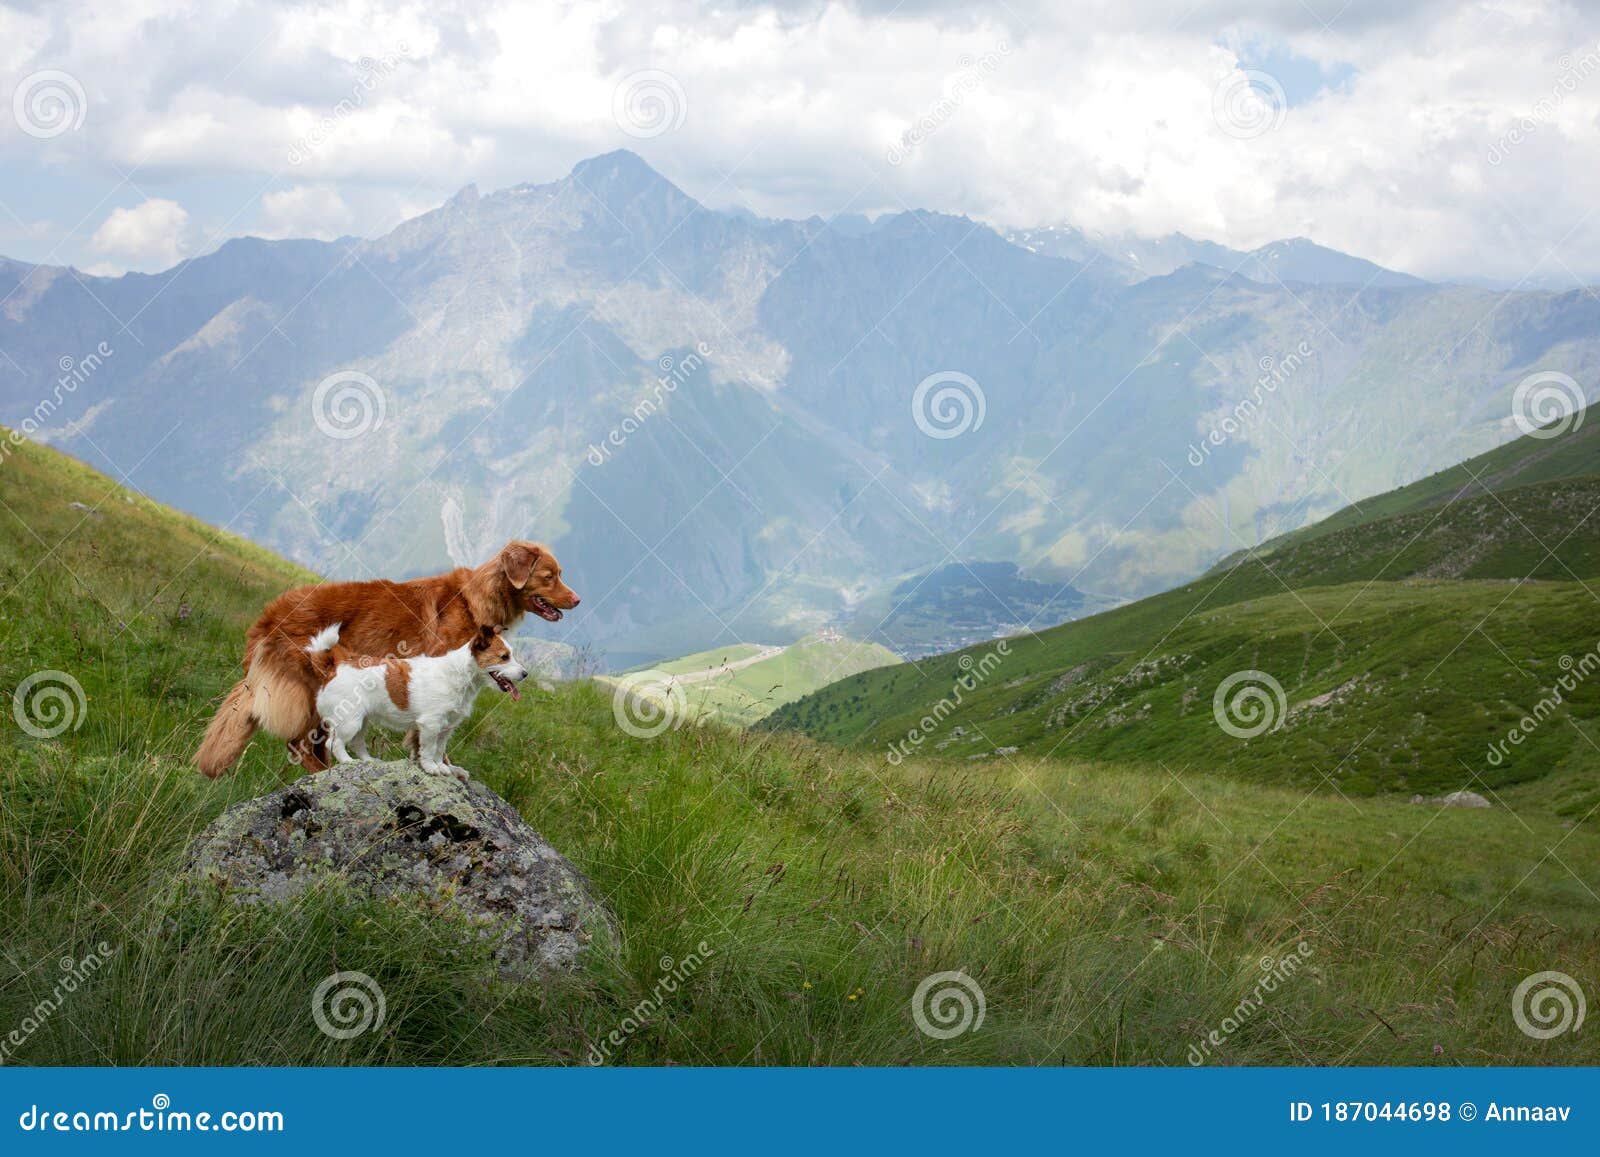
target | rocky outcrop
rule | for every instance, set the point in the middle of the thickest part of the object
(1455, 799)
(381, 830)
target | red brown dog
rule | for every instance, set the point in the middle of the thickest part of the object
(380, 619)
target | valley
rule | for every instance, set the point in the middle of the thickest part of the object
(1391, 649)
(742, 684)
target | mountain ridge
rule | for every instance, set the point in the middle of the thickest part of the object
(776, 474)
(624, 171)
(1286, 260)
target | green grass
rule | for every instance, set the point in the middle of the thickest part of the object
(1523, 462)
(718, 687)
(1111, 914)
(710, 660)
(1417, 696)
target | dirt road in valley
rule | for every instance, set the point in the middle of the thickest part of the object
(712, 672)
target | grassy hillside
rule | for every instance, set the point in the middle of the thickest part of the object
(1520, 463)
(1110, 914)
(1405, 646)
(140, 605)
(743, 683)
(713, 660)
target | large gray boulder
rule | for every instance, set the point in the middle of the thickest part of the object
(382, 830)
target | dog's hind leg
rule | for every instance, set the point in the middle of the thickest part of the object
(341, 754)
(310, 750)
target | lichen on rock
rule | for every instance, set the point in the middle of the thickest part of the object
(392, 830)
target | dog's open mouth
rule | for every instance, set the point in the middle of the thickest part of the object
(545, 609)
(505, 684)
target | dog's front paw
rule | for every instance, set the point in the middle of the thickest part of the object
(434, 767)
(459, 772)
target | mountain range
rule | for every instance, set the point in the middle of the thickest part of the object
(1132, 258)
(733, 428)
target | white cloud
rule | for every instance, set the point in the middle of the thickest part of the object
(304, 211)
(1099, 114)
(16, 229)
(151, 236)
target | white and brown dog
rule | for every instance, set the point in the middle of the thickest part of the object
(425, 616)
(433, 694)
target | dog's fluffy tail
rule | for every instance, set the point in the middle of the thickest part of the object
(277, 695)
(229, 732)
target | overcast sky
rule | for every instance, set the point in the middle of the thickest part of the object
(1443, 139)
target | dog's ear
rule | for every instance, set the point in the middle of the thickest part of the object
(484, 637)
(517, 560)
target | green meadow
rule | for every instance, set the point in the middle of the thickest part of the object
(1111, 905)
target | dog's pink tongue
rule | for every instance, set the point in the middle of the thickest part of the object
(515, 694)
